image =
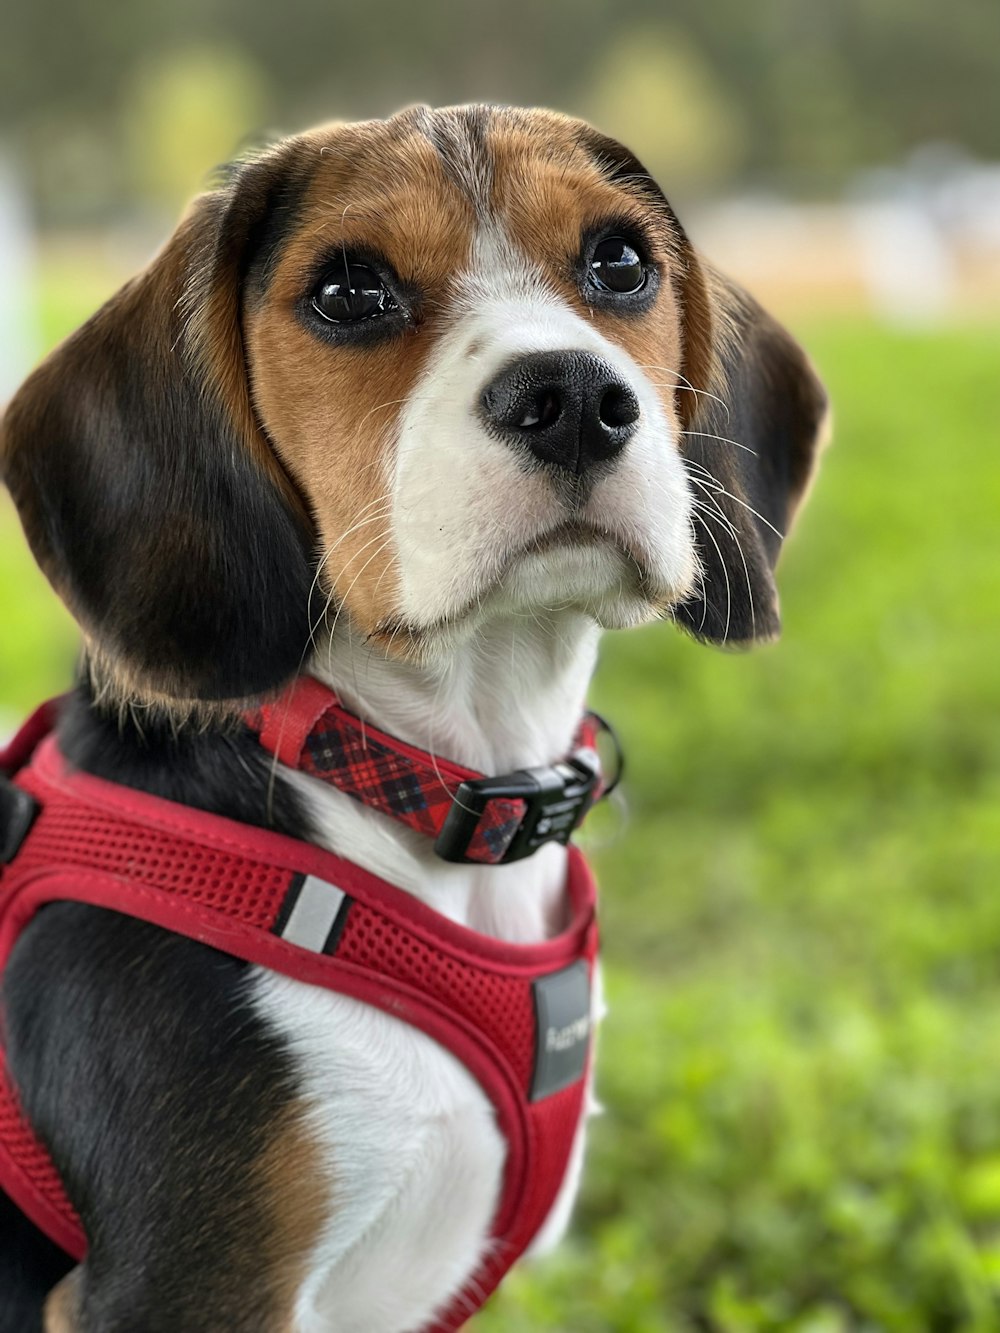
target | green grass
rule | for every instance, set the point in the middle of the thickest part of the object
(801, 1068)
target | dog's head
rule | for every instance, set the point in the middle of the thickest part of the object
(423, 371)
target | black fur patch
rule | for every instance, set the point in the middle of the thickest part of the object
(168, 536)
(277, 214)
(224, 770)
(30, 1266)
(147, 1073)
(144, 1069)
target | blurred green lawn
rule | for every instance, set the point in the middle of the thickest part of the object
(801, 1070)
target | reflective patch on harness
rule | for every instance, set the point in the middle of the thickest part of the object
(313, 914)
(17, 814)
(562, 1029)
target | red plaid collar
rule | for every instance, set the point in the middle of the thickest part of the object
(471, 817)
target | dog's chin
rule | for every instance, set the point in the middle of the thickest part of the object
(594, 572)
(597, 579)
(566, 572)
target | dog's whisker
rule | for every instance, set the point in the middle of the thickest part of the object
(706, 435)
(712, 511)
(725, 572)
(343, 601)
(686, 385)
(379, 516)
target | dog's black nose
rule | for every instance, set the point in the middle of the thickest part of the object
(568, 408)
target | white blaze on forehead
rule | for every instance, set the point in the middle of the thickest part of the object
(499, 270)
(465, 501)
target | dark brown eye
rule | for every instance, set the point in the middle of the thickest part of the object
(349, 292)
(616, 267)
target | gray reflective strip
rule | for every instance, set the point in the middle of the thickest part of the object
(312, 918)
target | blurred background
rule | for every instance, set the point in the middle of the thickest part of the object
(801, 1070)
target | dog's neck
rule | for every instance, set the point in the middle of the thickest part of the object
(510, 698)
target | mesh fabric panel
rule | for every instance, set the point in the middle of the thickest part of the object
(28, 1155)
(501, 1007)
(71, 834)
(554, 1121)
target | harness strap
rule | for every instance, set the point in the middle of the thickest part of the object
(517, 1016)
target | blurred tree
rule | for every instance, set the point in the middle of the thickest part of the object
(185, 113)
(656, 92)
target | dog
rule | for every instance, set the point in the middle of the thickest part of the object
(411, 409)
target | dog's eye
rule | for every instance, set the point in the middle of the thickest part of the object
(349, 292)
(616, 267)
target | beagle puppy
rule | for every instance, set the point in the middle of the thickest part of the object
(418, 406)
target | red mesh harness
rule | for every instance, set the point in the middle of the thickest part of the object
(517, 1016)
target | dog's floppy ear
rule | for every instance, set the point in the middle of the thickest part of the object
(753, 412)
(754, 419)
(148, 493)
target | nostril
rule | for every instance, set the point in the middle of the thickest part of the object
(619, 407)
(544, 410)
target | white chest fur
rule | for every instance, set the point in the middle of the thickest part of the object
(413, 1155)
(410, 1141)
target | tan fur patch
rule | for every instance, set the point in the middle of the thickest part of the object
(61, 1306)
(297, 1192)
(332, 412)
(296, 1188)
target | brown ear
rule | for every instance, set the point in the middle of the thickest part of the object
(148, 493)
(753, 412)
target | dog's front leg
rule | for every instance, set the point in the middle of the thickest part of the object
(174, 1116)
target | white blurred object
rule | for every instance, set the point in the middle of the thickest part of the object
(921, 223)
(908, 263)
(18, 323)
(915, 243)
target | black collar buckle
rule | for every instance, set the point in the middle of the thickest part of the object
(557, 797)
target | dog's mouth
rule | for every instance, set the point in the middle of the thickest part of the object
(572, 533)
(598, 567)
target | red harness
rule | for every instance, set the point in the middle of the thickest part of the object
(517, 1016)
